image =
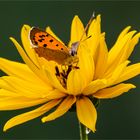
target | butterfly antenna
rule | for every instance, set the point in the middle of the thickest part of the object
(87, 26)
(74, 46)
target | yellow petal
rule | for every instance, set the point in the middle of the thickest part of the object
(5, 85)
(129, 72)
(132, 45)
(113, 91)
(27, 45)
(86, 63)
(55, 94)
(116, 49)
(26, 88)
(118, 52)
(127, 49)
(123, 33)
(48, 30)
(6, 93)
(19, 70)
(32, 66)
(116, 73)
(30, 115)
(77, 29)
(95, 86)
(61, 110)
(101, 58)
(54, 81)
(86, 112)
(14, 102)
(77, 80)
(95, 26)
(95, 32)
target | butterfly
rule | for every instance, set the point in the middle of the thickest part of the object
(48, 47)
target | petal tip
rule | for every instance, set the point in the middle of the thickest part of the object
(11, 38)
(76, 18)
(25, 29)
(48, 28)
(99, 17)
(133, 86)
(25, 26)
(128, 27)
(43, 120)
(5, 128)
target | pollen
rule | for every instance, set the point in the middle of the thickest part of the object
(63, 74)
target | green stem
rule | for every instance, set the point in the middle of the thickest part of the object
(83, 134)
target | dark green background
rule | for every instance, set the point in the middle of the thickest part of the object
(117, 118)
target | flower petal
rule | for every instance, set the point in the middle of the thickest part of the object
(86, 63)
(94, 86)
(101, 58)
(32, 66)
(116, 49)
(61, 110)
(55, 94)
(123, 33)
(77, 29)
(19, 70)
(26, 88)
(95, 26)
(132, 45)
(117, 54)
(129, 72)
(27, 45)
(86, 112)
(6, 93)
(77, 80)
(95, 32)
(13, 101)
(30, 115)
(113, 77)
(113, 91)
(54, 81)
(5, 85)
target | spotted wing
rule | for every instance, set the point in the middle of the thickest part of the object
(40, 38)
(47, 46)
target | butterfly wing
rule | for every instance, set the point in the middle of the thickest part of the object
(59, 56)
(47, 46)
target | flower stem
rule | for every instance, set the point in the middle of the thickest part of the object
(83, 134)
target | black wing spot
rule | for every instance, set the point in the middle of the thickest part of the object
(45, 45)
(36, 43)
(51, 40)
(40, 40)
(61, 48)
(57, 45)
(47, 35)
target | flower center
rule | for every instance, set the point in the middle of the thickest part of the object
(63, 75)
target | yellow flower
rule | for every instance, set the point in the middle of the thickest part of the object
(100, 75)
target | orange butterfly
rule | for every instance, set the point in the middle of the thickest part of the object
(50, 48)
(45, 45)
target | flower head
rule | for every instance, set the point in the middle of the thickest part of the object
(100, 74)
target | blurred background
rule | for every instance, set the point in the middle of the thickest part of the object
(118, 118)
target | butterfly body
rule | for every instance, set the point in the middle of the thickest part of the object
(50, 48)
